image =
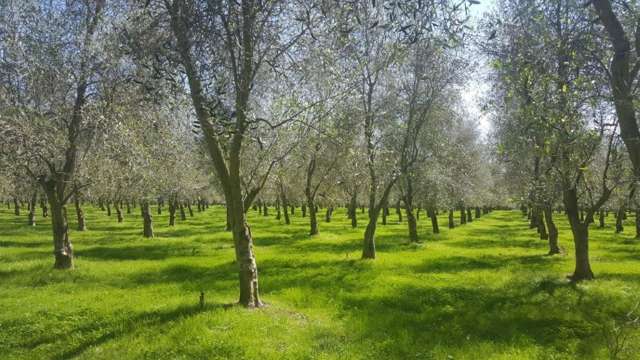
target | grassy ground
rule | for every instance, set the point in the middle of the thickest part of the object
(481, 291)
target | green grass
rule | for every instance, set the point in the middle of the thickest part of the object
(484, 290)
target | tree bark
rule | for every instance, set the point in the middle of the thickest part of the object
(478, 212)
(601, 218)
(62, 248)
(469, 216)
(463, 216)
(369, 248)
(16, 207)
(553, 231)
(82, 226)
(434, 220)
(32, 209)
(118, 211)
(183, 215)
(172, 212)
(328, 214)
(619, 220)
(352, 210)
(147, 220)
(622, 80)
(580, 232)
(637, 222)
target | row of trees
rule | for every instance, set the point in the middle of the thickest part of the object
(247, 102)
(565, 125)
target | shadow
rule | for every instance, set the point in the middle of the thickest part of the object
(116, 330)
(23, 244)
(136, 252)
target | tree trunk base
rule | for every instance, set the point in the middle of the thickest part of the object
(63, 261)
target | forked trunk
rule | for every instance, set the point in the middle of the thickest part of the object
(328, 214)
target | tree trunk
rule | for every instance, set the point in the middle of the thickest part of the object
(369, 248)
(278, 212)
(304, 210)
(327, 216)
(478, 213)
(172, 212)
(399, 211)
(45, 208)
(580, 232)
(469, 215)
(108, 208)
(62, 248)
(313, 219)
(16, 207)
(352, 210)
(553, 231)
(183, 215)
(285, 207)
(385, 213)
(128, 204)
(189, 209)
(533, 223)
(32, 209)
(541, 227)
(601, 218)
(637, 222)
(434, 220)
(82, 226)
(619, 219)
(463, 216)
(452, 223)
(265, 209)
(118, 211)
(412, 223)
(147, 220)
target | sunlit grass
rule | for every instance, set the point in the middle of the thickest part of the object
(485, 290)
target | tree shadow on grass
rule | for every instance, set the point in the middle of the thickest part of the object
(95, 334)
(456, 317)
(137, 252)
(24, 244)
(454, 264)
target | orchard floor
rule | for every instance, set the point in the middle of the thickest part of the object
(485, 290)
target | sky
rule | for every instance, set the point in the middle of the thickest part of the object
(477, 85)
